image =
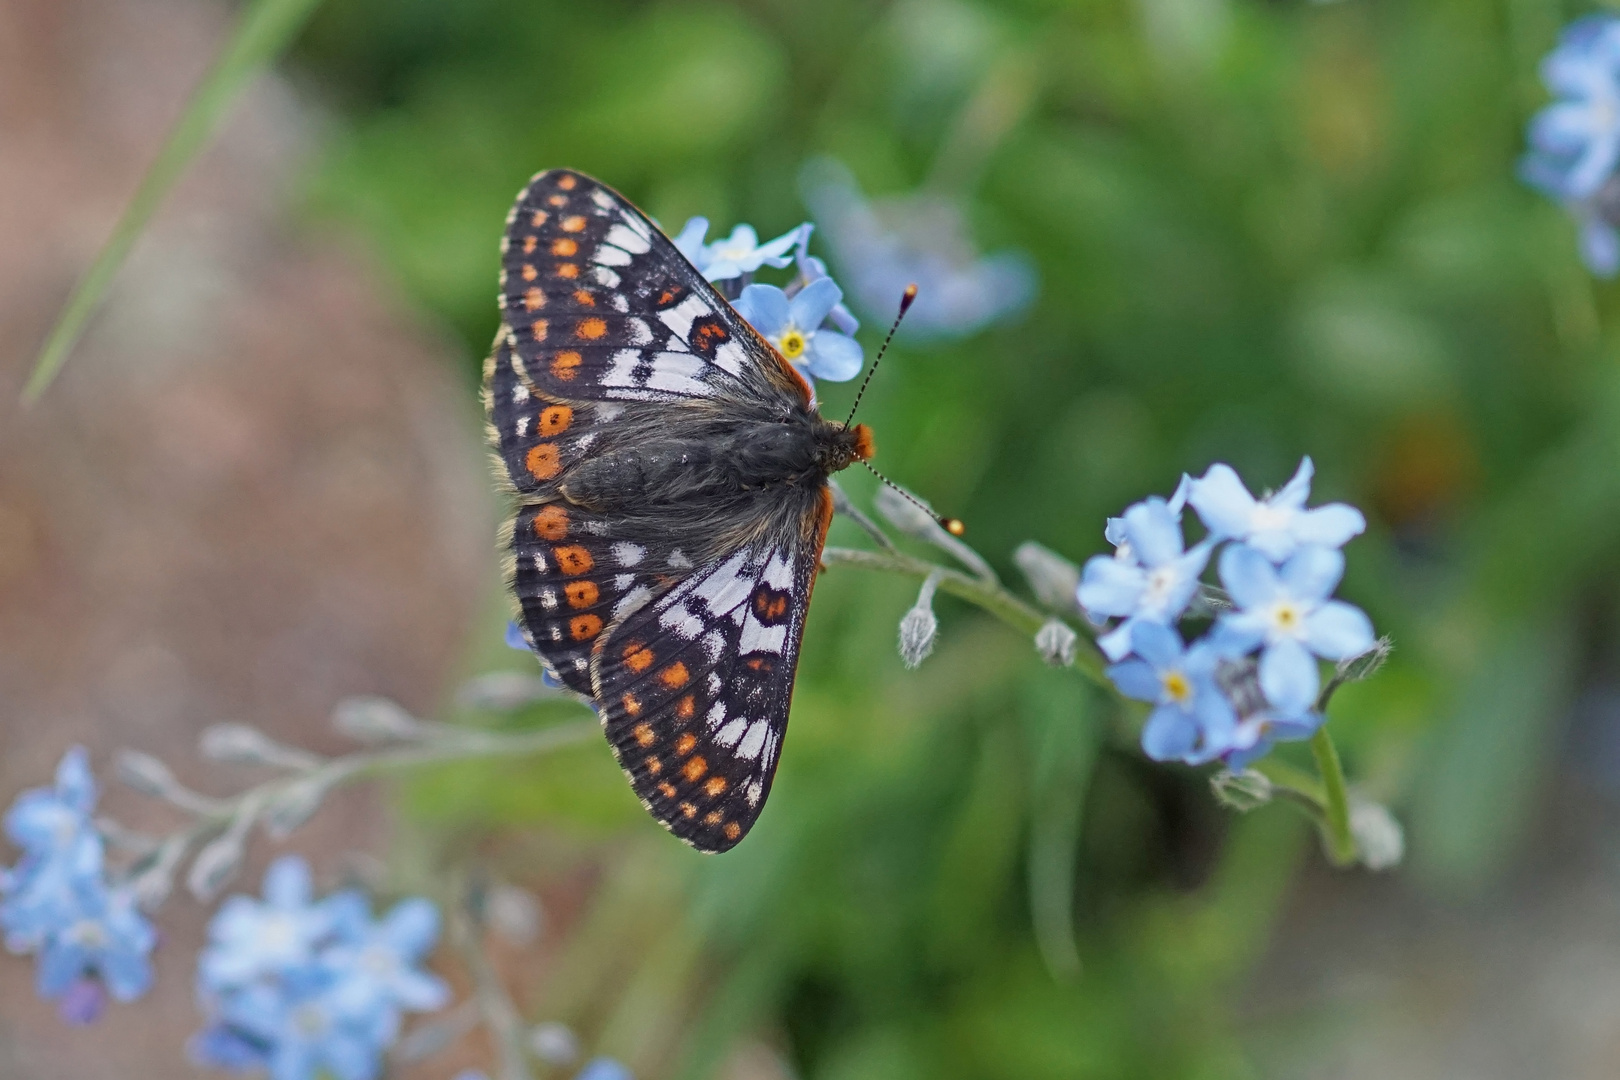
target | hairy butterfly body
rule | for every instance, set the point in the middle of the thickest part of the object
(670, 474)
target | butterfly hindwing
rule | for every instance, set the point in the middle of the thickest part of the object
(693, 688)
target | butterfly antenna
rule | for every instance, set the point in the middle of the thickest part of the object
(951, 525)
(905, 305)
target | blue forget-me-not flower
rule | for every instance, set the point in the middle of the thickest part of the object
(1149, 578)
(1193, 720)
(793, 325)
(299, 987)
(1287, 613)
(1575, 142)
(735, 255)
(1276, 525)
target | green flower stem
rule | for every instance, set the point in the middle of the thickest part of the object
(1341, 845)
(989, 595)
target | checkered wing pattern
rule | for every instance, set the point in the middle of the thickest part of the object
(610, 336)
(694, 688)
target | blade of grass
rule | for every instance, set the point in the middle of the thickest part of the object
(265, 29)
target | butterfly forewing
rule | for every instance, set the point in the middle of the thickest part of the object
(685, 637)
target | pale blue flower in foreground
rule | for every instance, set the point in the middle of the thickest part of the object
(250, 939)
(813, 269)
(379, 958)
(46, 821)
(1287, 614)
(293, 1029)
(1575, 142)
(738, 254)
(794, 327)
(1149, 579)
(1193, 721)
(103, 935)
(1276, 525)
(1254, 736)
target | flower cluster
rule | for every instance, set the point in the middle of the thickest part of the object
(1575, 142)
(806, 321)
(1253, 679)
(303, 988)
(920, 239)
(57, 903)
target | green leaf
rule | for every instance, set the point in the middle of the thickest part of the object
(266, 28)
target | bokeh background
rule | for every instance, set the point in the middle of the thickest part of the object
(1261, 228)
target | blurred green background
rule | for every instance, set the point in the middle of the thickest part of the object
(1262, 229)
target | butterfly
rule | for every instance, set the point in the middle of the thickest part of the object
(670, 476)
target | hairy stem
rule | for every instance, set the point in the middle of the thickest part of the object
(1341, 845)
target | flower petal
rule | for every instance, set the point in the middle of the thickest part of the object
(1600, 247)
(412, 927)
(833, 356)
(1248, 576)
(1331, 526)
(74, 781)
(765, 307)
(1169, 734)
(1157, 644)
(1338, 630)
(1298, 489)
(1109, 586)
(1116, 644)
(1223, 504)
(1136, 679)
(287, 882)
(1154, 532)
(1313, 572)
(811, 304)
(689, 241)
(1288, 676)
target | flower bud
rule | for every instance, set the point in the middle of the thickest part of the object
(146, 774)
(919, 627)
(1365, 665)
(513, 913)
(914, 518)
(215, 865)
(153, 879)
(243, 744)
(1052, 578)
(1380, 840)
(375, 720)
(1056, 641)
(554, 1043)
(293, 806)
(504, 691)
(1241, 791)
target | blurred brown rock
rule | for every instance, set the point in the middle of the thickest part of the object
(256, 488)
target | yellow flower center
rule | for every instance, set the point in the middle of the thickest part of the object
(793, 344)
(1287, 616)
(1177, 687)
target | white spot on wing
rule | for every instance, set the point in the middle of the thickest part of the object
(728, 735)
(714, 682)
(633, 600)
(717, 715)
(753, 792)
(608, 255)
(522, 426)
(602, 198)
(681, 620)
(714, 643)
(676, 373)
(632, 241)
(624, 581)
(618, 302)
(520, 394)
(680, 317)
(604, 276)
(639, 332)
(624, 365)
(628, 554)
(730, 357)
(607, 413)
(754, 741)
(548, 599)
(757, 637)
(779, 572)
(724, 587)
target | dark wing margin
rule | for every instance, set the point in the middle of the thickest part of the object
(693, 689)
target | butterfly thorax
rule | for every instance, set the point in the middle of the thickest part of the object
(800, 451)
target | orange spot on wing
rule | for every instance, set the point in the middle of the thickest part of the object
(638, 659)
(539, 328)
(713, 818)
(529, 244)
(573, 560)
(684, 744)
(714, 786)
(534, 300)
(565, 365)
(566, 182)
(551, 522)
(564, 246)
(554, 420)
(675, 676)
(732, 830)
(591, 328)
(582, 594)
(685, 708)
(558, 200)
(584, 627)
(529, 272)
(667, 790)
(584, 299)
(653, 766)
(694, 769)
(632, 706)
(574, 223)
(689, 810)
(643, 734)
(567, 270)
(543, 461)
